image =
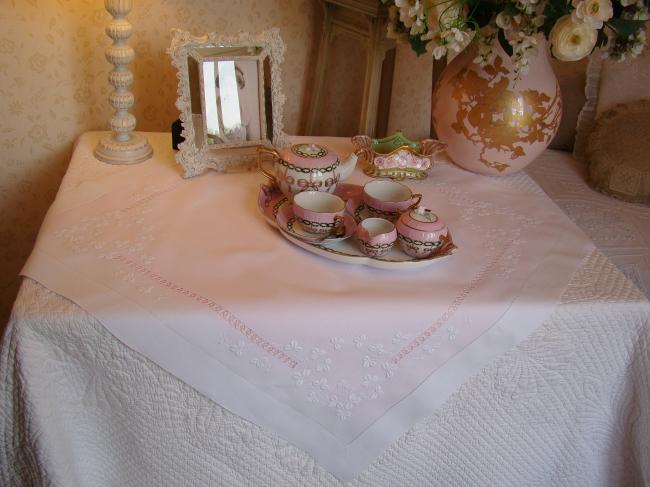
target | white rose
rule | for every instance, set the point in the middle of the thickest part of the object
(571, 41)
(592, 12)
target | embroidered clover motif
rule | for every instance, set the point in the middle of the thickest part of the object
(368, 362)
(261, 363)
(321, 384)
(292, 346)
(316, 353)
(299, 377)
(238, 348)
(324, 365)
(359, 341)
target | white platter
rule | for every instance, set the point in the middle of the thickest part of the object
(347, 251)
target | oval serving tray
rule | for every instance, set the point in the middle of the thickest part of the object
(270, 202)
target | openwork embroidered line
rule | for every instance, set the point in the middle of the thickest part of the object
(453, 307)
(231, 319)
(150, 197)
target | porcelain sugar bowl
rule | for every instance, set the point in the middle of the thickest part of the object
(306, 167)
(421, 233)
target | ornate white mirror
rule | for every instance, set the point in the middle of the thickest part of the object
(229, 96)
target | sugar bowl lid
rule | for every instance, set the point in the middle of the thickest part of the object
(309, 155)
(423, 219)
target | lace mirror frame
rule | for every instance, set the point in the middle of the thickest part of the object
(233, 155)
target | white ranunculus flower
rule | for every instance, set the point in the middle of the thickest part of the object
(571, 41)
(441, 15)
(592, 12)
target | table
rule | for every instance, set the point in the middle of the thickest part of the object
(568, 406)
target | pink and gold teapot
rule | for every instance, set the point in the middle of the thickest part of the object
(306, 167)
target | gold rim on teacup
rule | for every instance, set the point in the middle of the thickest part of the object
(319, 212)
(388, 199)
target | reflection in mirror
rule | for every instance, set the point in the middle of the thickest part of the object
(231, 101)
(195, 100)
(268, 98)
(229, 51)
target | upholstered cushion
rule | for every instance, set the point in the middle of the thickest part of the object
(618, 152)
(610, 83)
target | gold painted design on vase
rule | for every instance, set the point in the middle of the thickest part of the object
(494, 116)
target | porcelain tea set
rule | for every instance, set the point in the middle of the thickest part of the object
(307, 200)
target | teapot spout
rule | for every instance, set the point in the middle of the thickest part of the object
(347, 167)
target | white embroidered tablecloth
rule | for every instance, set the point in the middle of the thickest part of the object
(634, 316)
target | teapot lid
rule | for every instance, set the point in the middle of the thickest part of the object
(423, 219)
(309, 155)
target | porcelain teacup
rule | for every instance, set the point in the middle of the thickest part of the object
(376, 236)
(318, 212)
(388, 199)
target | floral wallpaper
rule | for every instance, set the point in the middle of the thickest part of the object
(53, 88)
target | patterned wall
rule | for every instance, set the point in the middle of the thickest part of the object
(53, 88)
(410, 106)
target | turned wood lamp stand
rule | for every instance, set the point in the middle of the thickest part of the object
(122, 146)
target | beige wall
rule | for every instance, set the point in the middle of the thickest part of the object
(53, 88)
(410, 106)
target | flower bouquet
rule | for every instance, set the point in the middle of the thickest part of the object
(498, 105)
(573, 27)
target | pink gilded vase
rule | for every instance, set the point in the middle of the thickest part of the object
(491, 122)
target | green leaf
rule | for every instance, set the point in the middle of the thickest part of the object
(504, 43)
(602, 38)
(624, 27)
(511, 9)
(418, 45)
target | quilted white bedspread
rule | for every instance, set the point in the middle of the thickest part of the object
(568, 406)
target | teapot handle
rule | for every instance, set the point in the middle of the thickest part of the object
(273, 153)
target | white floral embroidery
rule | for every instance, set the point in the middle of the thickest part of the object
(377, 348)
(359, 341)
(321, 384)
(324, 365)
(369, 380)
(400, 337)
(299, 377)
(452, 332)
(431, 347)
(238, 348)
(261, 363)
(292, 346)
(343, 409)
(337, 343)
(316, 353)
(367, 362)
(376, 392)
(312, 397)
(389, 369)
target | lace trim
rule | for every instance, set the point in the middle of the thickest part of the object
(587, 116)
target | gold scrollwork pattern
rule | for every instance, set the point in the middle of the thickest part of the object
(496, 116)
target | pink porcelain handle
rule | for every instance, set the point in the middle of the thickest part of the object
(362, 233)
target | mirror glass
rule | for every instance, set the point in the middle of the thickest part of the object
(231, 91)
